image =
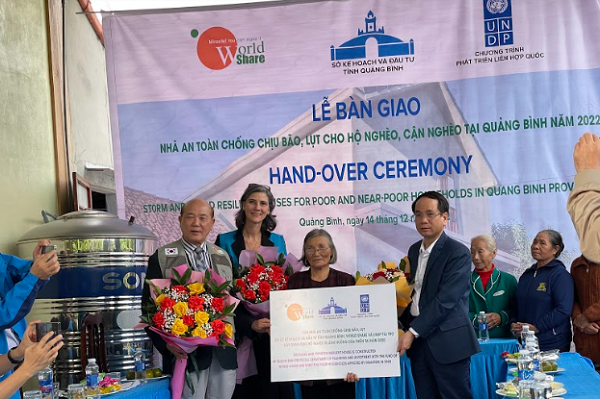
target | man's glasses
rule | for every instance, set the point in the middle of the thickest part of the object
(428, 216)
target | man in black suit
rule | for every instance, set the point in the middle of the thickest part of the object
(440, 340)
(217, 365)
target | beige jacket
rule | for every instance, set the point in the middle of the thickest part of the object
(584, 207)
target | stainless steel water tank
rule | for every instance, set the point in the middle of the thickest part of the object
(103, 265)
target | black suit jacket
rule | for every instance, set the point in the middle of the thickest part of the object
(443, 320)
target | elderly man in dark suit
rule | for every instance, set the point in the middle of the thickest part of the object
(217, 365)
(440, 340)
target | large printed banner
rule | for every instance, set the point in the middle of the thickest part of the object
(329, 332)
(350, 109)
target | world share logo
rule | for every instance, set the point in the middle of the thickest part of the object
(217, 48)
(498, 23)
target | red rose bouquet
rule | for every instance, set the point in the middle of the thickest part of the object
(263, 271)
(190, 310)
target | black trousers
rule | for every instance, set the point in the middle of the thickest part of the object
(434, 380)
(260, 386)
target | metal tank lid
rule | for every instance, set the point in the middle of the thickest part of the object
(87, 224)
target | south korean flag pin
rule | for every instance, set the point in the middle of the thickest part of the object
(171, 251)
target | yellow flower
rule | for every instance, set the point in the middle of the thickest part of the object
(201, 318)
(180, 309)
(199, 332)
(160, 298)
(228, 330)
(196, 288)
(178, 327)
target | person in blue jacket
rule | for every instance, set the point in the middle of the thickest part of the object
(545, 295)
(20, 281)
(35, 355)
(255, 223)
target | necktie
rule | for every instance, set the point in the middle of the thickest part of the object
(201, 259)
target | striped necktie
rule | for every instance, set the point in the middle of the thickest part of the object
(201, 264)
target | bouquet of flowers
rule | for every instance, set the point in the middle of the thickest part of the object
(264, 271)
(387, 273)
(190, 310)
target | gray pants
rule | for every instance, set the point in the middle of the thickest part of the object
(212, 383)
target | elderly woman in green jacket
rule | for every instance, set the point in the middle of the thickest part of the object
(492, 291)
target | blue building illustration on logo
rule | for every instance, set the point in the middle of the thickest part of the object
(387, 45)
(497, 19)
(333, 308)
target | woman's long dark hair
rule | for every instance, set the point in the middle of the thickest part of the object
(269, 223)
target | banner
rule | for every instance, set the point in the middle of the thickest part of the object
(350, 109)
(329, 332)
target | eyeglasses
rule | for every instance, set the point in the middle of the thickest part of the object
(428, 216)
(312, 251)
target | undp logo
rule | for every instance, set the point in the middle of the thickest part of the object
(498, 23)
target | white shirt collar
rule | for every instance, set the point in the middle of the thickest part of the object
(429, 248)
(192, 246)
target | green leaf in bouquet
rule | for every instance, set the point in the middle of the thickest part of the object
(175, 276)
(150, 307)
(289, 270)
(260, 259)
(187, 275)
(402, 265)
(357, 276)
(229, 309)
(269, 264)
(223, 286)
(146, 319)
(214, 289)
(156, 289)
(382, 265)
(234, 287)
(281, 259)
(207, 276)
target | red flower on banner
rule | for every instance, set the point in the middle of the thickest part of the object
(217, 304)
(158, 319)
(167, 303)
(195, 303)
(218, 327)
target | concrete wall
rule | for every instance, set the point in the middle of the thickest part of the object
(27, 158)
(27, 178)
(88, 99)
